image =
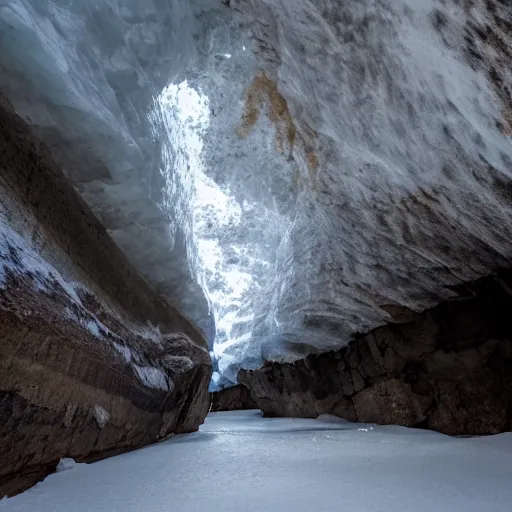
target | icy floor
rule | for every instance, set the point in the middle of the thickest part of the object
(242, 462)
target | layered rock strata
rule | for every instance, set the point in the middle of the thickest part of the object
(92, 361)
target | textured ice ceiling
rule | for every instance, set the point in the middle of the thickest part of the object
(296, 170)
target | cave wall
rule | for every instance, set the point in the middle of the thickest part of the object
(365, 145)
(393, 116)
(84, 75)
(92, 361)
(448, 369)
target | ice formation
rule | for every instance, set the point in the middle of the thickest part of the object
(296, 170)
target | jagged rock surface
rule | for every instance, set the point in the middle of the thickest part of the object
(235, 398)
(448, 369)
(92, 361)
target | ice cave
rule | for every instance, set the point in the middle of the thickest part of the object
(255, 254)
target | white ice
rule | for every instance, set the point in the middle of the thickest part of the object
(242, 462)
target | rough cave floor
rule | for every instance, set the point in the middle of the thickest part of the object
(239, 461)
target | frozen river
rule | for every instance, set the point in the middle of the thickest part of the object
(242, 462)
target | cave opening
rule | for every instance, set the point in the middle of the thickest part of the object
(209, 216)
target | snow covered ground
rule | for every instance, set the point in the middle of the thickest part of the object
(240, 461)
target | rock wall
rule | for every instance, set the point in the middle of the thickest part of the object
(92, 362)
(83, 74)
(392, 117)
(448, 369)
(236, 398)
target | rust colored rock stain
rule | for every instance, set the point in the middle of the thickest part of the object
(263, 94)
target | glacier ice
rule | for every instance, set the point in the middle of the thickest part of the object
(295, 170)
(379, 148)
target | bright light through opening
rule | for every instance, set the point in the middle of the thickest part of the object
(200, 207)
